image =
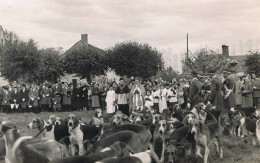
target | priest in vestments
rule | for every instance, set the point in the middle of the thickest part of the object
(137, 93)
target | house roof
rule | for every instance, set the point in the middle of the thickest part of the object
(241, 61)
(81, 44)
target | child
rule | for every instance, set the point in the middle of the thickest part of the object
(148, 100)
(110, 100)
(156, 96)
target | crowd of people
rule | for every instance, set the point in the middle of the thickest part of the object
(224, 91)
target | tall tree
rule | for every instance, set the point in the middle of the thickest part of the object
(134, 59)
(252, 63)
(85, 62)
(19, 59)
(50, 66)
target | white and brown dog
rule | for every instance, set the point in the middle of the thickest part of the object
(119, 119)
(97, 120)
(52, 119)
(205, 134)
(80, 133)
(46, 130)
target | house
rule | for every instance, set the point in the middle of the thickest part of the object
(237, 59)
(83, 42)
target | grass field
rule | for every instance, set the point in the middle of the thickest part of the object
(234, 151)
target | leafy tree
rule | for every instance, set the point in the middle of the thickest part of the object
(252, 63)
(208, 62)
(85, 62)
(19, 59)
(50, 66)
(134, 59)
(168, 74)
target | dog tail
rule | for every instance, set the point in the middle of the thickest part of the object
(19, 141)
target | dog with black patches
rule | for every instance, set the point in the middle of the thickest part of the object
(189, 116)
(225, 120)
(205, 134)
(97, 120)
(117, 149)
(60, 121)
(81, 133)
(173, 152)
(45, 130)
(142, 157)
(250, 127)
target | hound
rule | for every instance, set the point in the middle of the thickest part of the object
(250, 127)
(142, 157)
(97, 120)
(59, 121)
(45, 130)
(52, 119)
(119, 119)
(80, 133)
(204, 134)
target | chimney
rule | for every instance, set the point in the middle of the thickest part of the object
(225, 51)
(84, 39)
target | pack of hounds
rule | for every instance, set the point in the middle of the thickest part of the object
(144, 137)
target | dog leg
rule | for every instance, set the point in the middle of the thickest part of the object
(217, 146)
(73, 149)
(163, 149)
(198, 151)
(206, 154)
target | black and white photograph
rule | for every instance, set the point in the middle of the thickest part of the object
(139, 81)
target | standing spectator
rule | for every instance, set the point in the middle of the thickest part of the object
(229, 85)
(256, 92)
(57, 101)
(95, 97)
(122, 93)
(110, 100)
(247, 94)
(84, 97)
(180, 95)
(66, 94)
(148, 100)
(24, 98)
(186, 90)
(15, 100)
(238, 92)
(156, 96)
(216, 94)
(6, 100)
(45, 98)
(33, 99)
(136, 97)
(172, 96)
(194, 91)
(103, 91)
(76, 98)
(163, 97)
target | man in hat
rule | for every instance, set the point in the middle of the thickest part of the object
(229, 89)
(194, 91)
(122, 93)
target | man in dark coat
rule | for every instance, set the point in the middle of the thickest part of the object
(24, 98)
(194, 91)
(216, 93)
(122, 93)
(229, 89)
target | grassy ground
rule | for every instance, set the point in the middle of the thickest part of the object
(234, 151)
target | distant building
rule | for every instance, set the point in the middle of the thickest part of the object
(83, 42)
(239, 59)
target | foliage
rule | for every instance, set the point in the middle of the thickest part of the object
(50, 66)
(168, 74)
(252, 63)
(134, 59)
(25, 62)
(85, 62)
(208, 62)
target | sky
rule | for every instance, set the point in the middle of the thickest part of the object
(163, 24)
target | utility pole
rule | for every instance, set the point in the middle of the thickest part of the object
(187, 47)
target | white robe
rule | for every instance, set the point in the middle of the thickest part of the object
(110, 99)
(163, 100)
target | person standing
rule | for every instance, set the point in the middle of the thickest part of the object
(45, 98)
(238, 92)
(34, 97)
(15, 100)
(66, 94)
(110, 100)
(156, 97)
(163, 98)
(247, 94)
(136, 97)
(5, 105)
(229, 88)
(95, 97)
(24, 98)
(194, 91)
(122, 93)
(216, 94)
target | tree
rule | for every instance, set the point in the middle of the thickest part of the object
(252, 63)
(85, 62)
(19, 59)
(134, 59)
(50, 66)
(168, 74)
(208, 62)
